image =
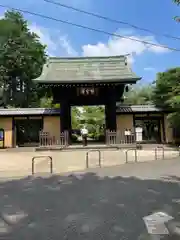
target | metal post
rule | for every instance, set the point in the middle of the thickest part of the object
(33, 166)
(51, 165)
(87, 157)
(87, 160)
(50, 159)
(126, 156)
(163, 153)
(135, 155)
(99, 158)
(155, 151)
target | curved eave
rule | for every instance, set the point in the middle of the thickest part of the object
(103, 81)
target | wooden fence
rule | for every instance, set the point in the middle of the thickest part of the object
(119, 137)
(45, 139)
(112, 138)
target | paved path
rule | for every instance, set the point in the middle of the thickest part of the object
(107, 203)
(18, 164)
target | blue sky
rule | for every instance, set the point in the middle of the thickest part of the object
(64, 40)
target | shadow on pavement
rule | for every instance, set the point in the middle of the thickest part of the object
(83, 206)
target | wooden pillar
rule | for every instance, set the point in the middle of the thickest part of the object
(65, 116)
(110, 110)
(163, 138)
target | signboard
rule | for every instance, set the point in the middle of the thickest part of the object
(1, 138)
(87, 91)
(139, 134)
(155, 223)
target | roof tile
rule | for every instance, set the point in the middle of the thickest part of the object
(87, 69)
(137, 108)
(28, 111)
(50, 111)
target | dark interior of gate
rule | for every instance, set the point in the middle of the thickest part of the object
(87, 81)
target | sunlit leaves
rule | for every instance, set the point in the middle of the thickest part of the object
(139, 95)
(21, 59)
(167, 92)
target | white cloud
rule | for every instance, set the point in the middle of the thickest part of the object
(159, 49)
(155, 47)
(121, 46)
(67, 46)
(45, 38)
(57, 44)
(150, 69)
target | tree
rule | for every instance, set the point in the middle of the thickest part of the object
(167, 92)
(94, 119)
(75, 118)
(178, 3)
(22, 57)
(139, 95)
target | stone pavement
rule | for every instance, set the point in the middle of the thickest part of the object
(18, 164)
(106, 203)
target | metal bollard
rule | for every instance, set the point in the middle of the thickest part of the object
(51, 163)
(87, 157)
(156, 152)
(135, 154)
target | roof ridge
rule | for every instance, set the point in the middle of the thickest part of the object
(28, 109)
(90, 57)
(135, 105)
(143, 105)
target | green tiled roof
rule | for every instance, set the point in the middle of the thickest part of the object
(87, 69)
(120, 108)
(29, 111)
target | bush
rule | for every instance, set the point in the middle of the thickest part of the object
(74, 138)
(91, 135)
(101, 138)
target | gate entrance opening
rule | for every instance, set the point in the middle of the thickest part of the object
(91, 117)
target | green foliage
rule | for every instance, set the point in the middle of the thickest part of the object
(74, 138)
(178, 3)
(167, 88)
(75, 118)
(174, 119)
(22, 57)
(93, 118)
(47, 102)
(167, 93)
(139, 95)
